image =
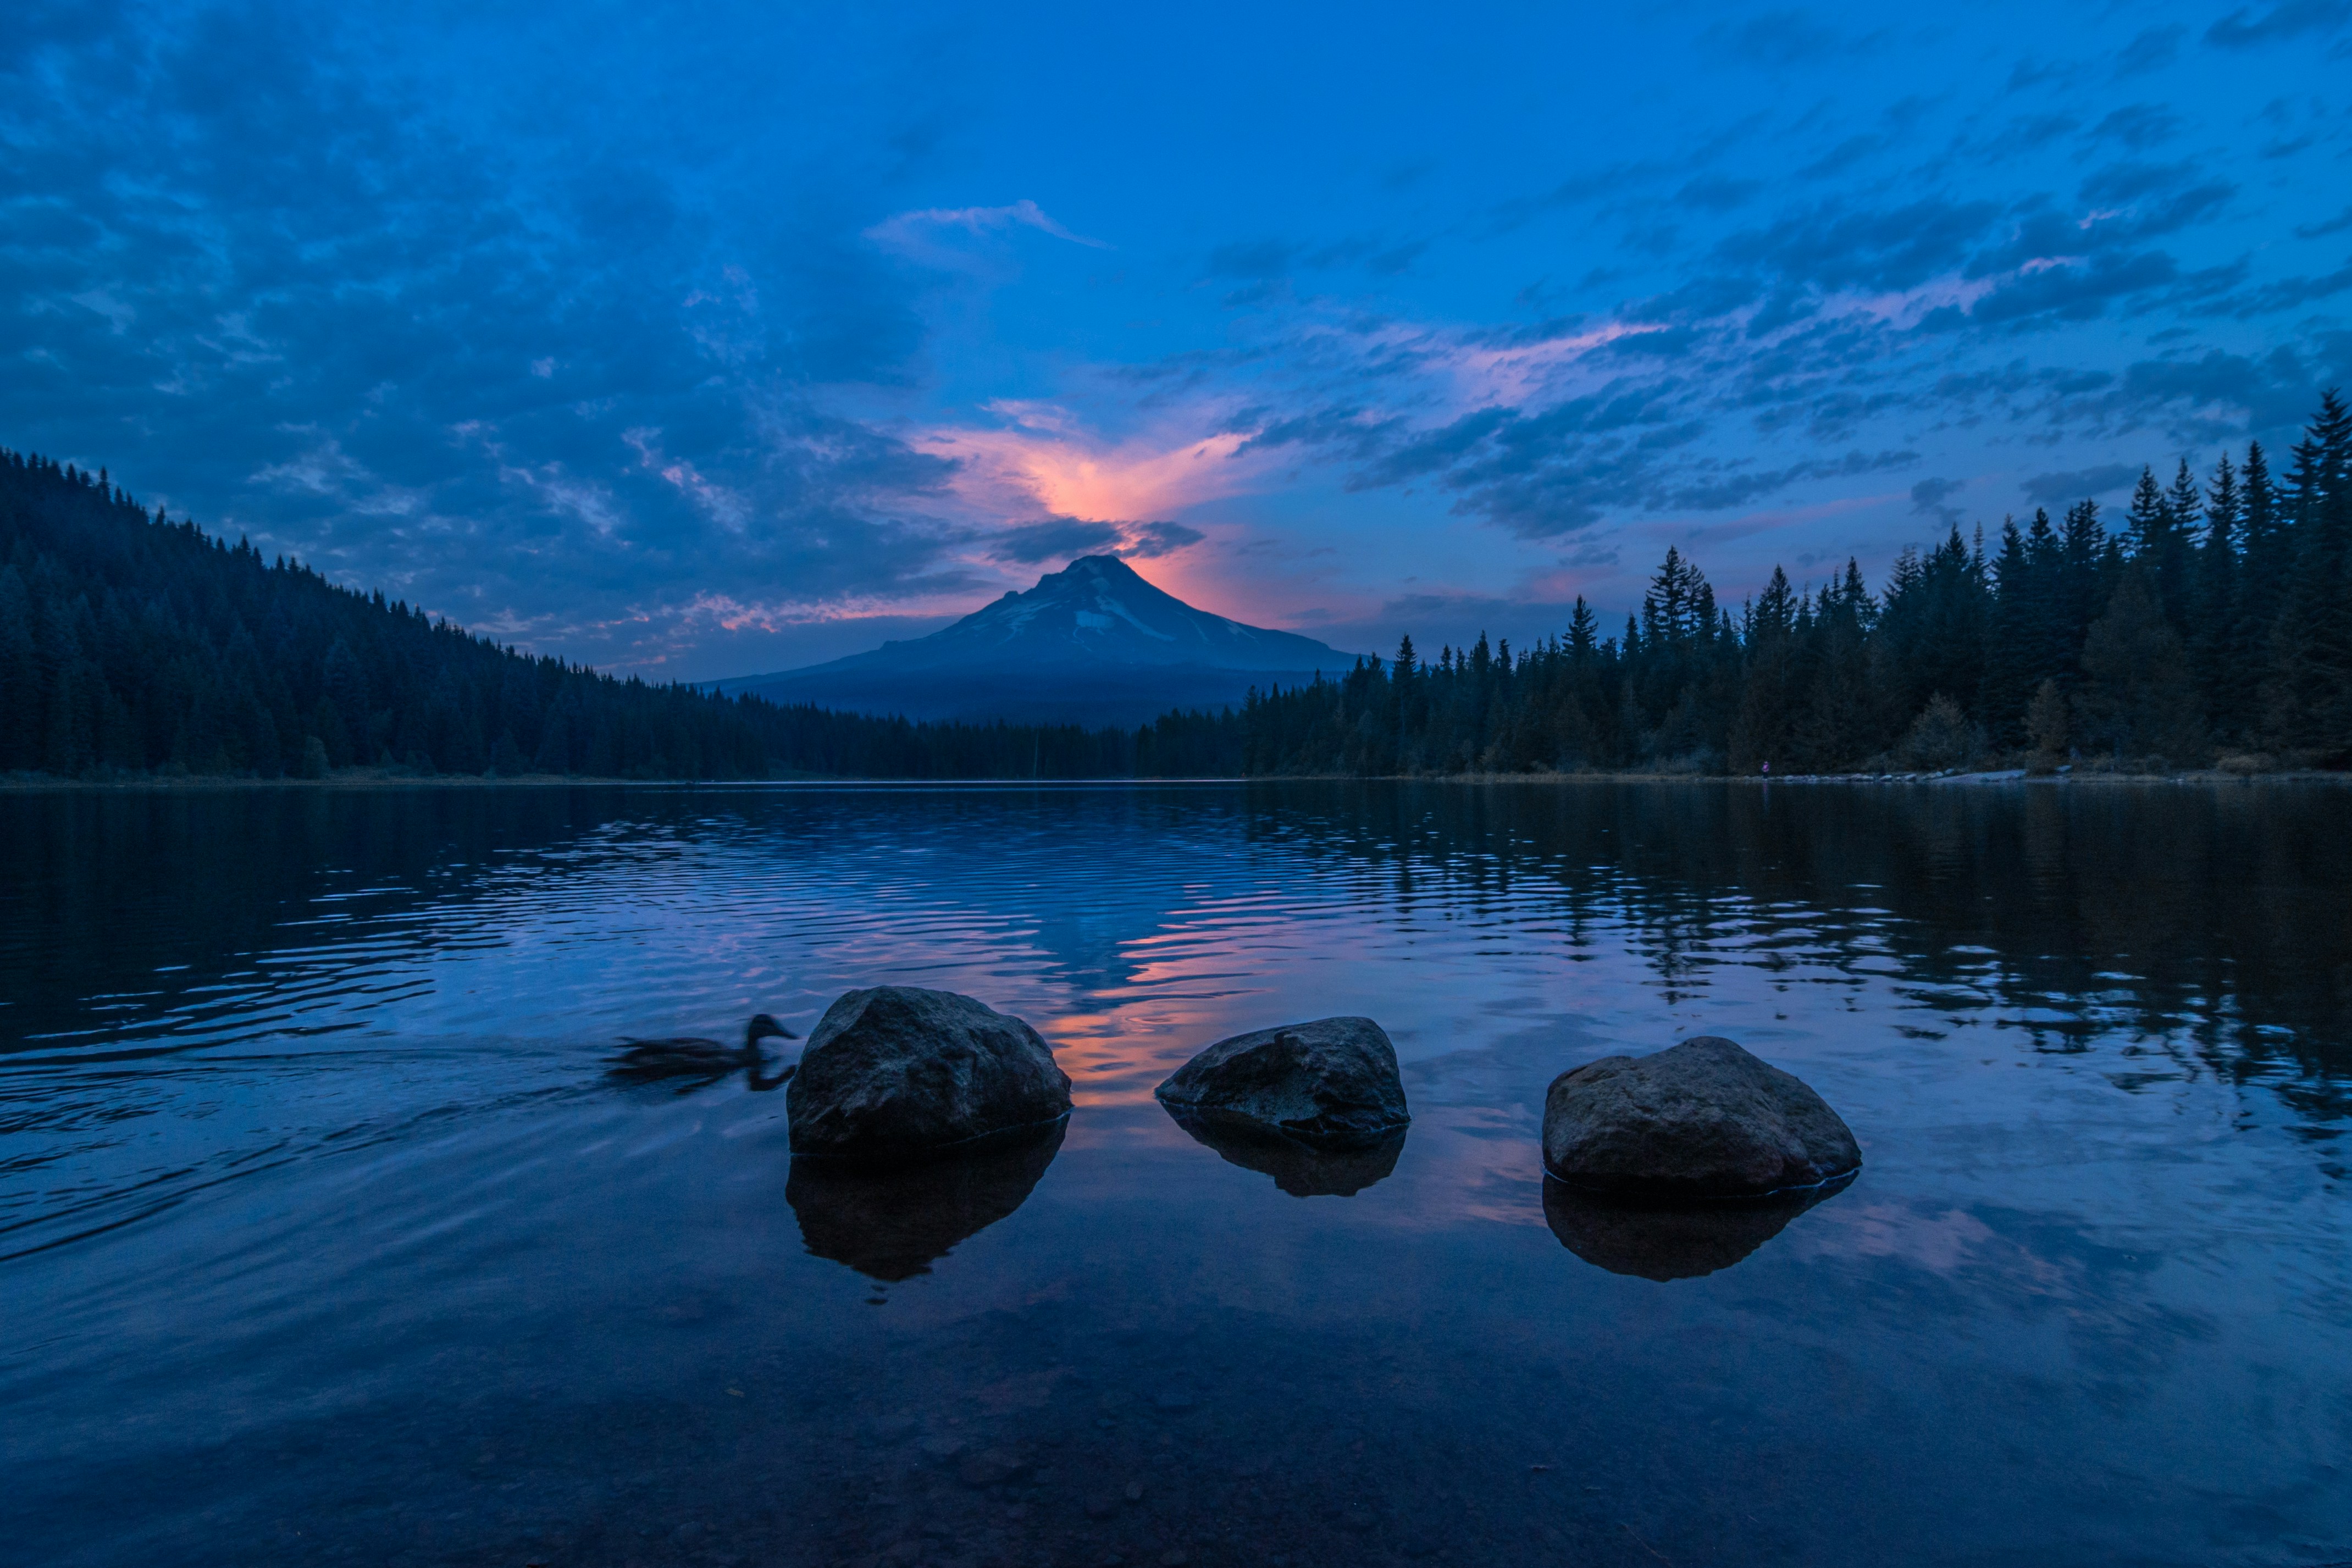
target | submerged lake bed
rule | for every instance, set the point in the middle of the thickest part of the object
(325, 1236)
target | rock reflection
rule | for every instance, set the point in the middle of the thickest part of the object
(893, 1224)
(1671, 1240)
(1296, 1169)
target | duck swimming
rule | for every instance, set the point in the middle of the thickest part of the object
(688, 1056)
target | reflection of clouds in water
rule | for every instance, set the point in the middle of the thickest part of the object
(1939, 1241)
(1477, 1164)
(1953, 1242)
(1956, 1319)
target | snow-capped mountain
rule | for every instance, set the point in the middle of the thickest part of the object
(1092, 643)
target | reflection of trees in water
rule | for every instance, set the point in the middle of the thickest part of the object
(2210, 917)
(2220, 906)
(104, 887)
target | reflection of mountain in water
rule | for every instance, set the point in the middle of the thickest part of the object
(196, 913)
(1296, 1169)
(894, 1225)
(1669, 1242)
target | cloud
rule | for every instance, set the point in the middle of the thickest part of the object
(1149, 541)
(666, 361)
(2067, 291)
(2335, 225)
(2029, 133)
(915, 231)
(1063, 538)
(2137, 126)
(2120, 182)
(1854, 150)
(1252, 260)
(1738, 489)
(1717, 193)
(1042, 458)
(1782, 38)
(2291, 293)
(1928, 498)
(2153, 49)
(560, 401)
(2241, 28)
(1056, 539)
(2059, 489)
(1841, 245)
(2030, 73)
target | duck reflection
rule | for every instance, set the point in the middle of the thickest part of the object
(892, 1225)
(1296, 1169)
(1671, 1240)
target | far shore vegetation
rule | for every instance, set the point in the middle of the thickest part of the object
(2208, 630)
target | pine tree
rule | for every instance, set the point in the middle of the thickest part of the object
(2137, 698)
(1583, 629)
(2223, 669)
(2308, 698)
(2012, 665)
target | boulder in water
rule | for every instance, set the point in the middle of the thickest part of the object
(1330, 1085)
(1704, 1120)
(897, 1074)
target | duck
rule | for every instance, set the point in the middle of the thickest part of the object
(690, 1056)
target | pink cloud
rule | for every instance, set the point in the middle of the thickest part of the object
(913, 231)
(1045, 463)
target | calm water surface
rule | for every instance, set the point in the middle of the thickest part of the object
(322, 1237)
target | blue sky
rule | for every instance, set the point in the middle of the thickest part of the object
(703, 341)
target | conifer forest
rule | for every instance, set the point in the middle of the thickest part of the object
(132, 644)
(2209, 624)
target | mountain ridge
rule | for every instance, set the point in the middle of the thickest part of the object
(1095, 642)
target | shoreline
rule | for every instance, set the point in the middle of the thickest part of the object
(366, 781)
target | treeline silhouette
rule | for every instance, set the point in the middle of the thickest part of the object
(132, 644)
(2216, 625)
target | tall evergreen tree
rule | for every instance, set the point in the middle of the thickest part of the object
(2308, 698)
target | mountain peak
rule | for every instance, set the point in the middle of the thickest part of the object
(1108, 569)
(1097, 625)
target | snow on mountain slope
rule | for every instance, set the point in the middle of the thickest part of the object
(1093, 643)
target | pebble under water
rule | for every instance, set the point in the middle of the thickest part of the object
(324, 1238)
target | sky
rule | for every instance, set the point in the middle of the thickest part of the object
(706, 342)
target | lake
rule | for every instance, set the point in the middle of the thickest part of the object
(324, 1237)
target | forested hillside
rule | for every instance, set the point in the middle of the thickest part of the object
(2215, 622)
(130, 643)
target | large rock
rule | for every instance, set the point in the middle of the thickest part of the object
(894, 1224)
(897, 1074)
(1702, 1120)
(1330, 1085)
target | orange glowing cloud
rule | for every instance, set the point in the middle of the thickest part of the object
(1042, 461)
